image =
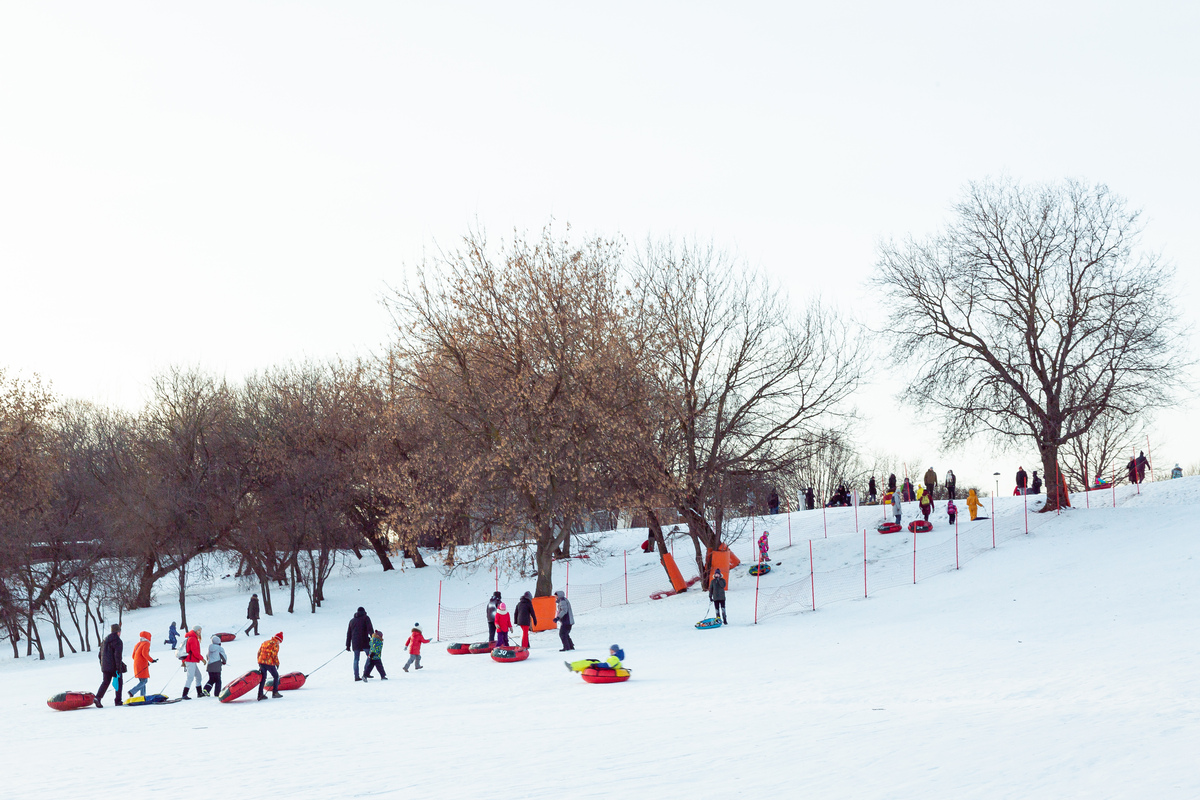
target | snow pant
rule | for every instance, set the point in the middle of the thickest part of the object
(950, 490)
(502, 638)
(582, 664)
(357, 654)
(564, 633)
(139, 687)
(525, 636)
(415, 658)
(929, 490)
(193, 674)
(253, 625)
(952, 518)
(762, 554)
(374, 663)
(925, 513)
(871, 497)
(719, 608)
(263, 671)
(214, 682)
(109, 675)
(898, 517)
(491, 630)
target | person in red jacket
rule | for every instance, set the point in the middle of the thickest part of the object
(141, 664)
(503, 625)
(268, 663)
(191, 663)
(415, 640)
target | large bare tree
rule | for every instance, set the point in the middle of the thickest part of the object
(1033, 314)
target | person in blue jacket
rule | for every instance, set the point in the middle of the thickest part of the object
(172, 636)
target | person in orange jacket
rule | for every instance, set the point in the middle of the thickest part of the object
(415, 640)
(141, 664)
(268, 663)
(503, 625)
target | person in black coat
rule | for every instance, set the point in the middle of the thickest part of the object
(525, 616)
(492, 605)
(773, 502)
(1142, 463)
(871, 494)
(892, 483)
(1022, 480)
(810, 501)
(358, 636)
(1132, 468)
(111, 664)
(1037, 484)
(252, 615)
(716, 593)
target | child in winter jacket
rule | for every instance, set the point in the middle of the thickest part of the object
(925, 501)
(375, 656)
(615, 656)
(416, 639)
(503, 625)
(216, 660)
(896, 506)
(141, 664)
(763, 548)
(268, 663)
(952, 510)
(973, 504)
(172, 636)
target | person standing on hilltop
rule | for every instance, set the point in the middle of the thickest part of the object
(871, 494)
(1022, 480)
(358, 636)
(951, 481)
(930, 482)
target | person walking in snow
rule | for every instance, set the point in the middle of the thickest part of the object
(1036, 488)
(716, 593)
(525, 617)
(952, 511)
(141, 664)
(111, 665)
(413, 645)
(1022, 480)
(1177, 472)
(973, 504)
(565, 618)
(896, 507)
(925, 503)
(252, 615)
(773, 502)
(930, 482)
(268, 664)
(216, 659)
(908, 494)
(871, 496)
(1142, 463)
(375, 657)
(951, 481)
(492, 605)
(503, 625)
(358, 636)
(1131, 467)
(763, 548)
(192, 660)
(172, 636)
(810, 501)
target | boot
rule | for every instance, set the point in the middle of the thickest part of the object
(262, 697)
(185, 693)
(275, 694)
(97, 703)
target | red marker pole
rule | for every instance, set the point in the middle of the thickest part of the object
(855, 496)
(812, 584)
(1114, 487)
(1025, 497)
(864, 562)
(956, 564)
(567, 591)
(437, 636)
(625, 555)
(993, 522)
(1149, 458)
(825, 519)
(757, 578)
(789, 513)
(914, 556)
(497, 579)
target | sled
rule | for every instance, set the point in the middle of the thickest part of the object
(507, 655)
(459, 649)
(711, 622)
(920, 526)
(760, 569)
(889, 527)
(288, 682)
(481, 647)
(239, 687)
(604, 675)
(227, 637)
(69, 701)
(152, 700)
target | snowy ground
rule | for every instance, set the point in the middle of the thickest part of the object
(1061, 664)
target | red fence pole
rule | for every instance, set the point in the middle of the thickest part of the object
(1149, 459)
(1025, 497)
(811, 581)
(789, 513)
(625, 554)
(437, 636)
(1114, 487)
(825, 519)
(993, 522)
(956, 564)
(757, 578)
(567, 591)
(497, 579)
(864, 562)
(854, 494)
(914, 556)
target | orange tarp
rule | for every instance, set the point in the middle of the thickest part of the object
(543, 609)
(677, 582)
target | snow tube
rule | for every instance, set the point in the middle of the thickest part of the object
(227, 637)
(481, 647)
(69, 701)
(597, 675)
(760, 569)
(239, 687)
(459, 649)
(507, 655)
(292, 680)
(889, 527)
(711, 622)
(920, 526)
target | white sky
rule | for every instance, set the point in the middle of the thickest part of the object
(234, 186)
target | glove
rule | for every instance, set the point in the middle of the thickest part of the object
(347, 649)
(154, 661)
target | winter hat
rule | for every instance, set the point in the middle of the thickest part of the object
(495, 595)
(278, 637)
(559, 594)
(196, 628)
(502, 607)
(718, 572)
(379, 634)
(417, 626)
(216, 638)
(115, 627)
(617, 651)
(527, 596)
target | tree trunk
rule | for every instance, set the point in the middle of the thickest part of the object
(145, 583)
(415, 554)
(183, 595)
(656, 531)
(1053, 479)
(545, 562)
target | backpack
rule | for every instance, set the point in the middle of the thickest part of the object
(181, 651)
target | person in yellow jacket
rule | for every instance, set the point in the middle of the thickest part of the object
(615, 654)
(973, 504)
(268, 662)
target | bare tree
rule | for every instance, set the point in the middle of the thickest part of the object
(1101, 450)
(750, 381)
(1033, 314)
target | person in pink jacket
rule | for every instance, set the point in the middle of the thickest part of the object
(503, 625)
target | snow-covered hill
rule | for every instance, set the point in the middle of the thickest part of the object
(1060, 664)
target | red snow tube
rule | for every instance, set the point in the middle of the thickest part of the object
(920, 526)
(235, 689)
(481, 647)
(595, 675)
(889, 527)
(227, 637)
(459, 649)
(292, 680)
(69, 701)
(506, 655)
